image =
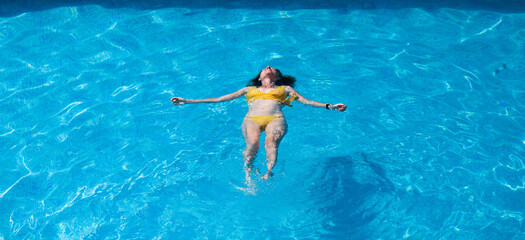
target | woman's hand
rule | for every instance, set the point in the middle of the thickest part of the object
(178, 100)
(338, 107)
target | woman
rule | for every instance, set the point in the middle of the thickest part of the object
(266, 95)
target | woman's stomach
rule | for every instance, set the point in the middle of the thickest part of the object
(264, 107)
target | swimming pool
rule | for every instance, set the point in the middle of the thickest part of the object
(431, 146)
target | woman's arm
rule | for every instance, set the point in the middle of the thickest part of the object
(228, 97)
(339, 107)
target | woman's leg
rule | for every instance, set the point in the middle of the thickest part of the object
(251, 132)
(275, 132)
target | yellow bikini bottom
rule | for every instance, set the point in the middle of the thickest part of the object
(263, 121)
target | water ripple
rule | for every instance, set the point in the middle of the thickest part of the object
(431, 146)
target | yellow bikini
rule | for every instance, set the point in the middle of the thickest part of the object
(263, 121)
(277, 94)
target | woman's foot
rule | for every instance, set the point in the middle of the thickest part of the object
(267, 175)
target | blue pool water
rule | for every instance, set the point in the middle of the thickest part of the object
(431, 146)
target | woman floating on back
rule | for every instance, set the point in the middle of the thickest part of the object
(266, 94)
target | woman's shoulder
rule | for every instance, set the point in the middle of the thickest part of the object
(247, 89)
(288, 88)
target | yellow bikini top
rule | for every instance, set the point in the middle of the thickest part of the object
(277, 94)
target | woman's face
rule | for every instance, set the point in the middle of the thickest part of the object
(270, 72)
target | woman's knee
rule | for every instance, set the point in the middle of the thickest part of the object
(252, 144)
(270, 145)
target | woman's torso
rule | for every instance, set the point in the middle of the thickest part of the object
(259, 105)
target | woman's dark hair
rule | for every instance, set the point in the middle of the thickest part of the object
(286, 80)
